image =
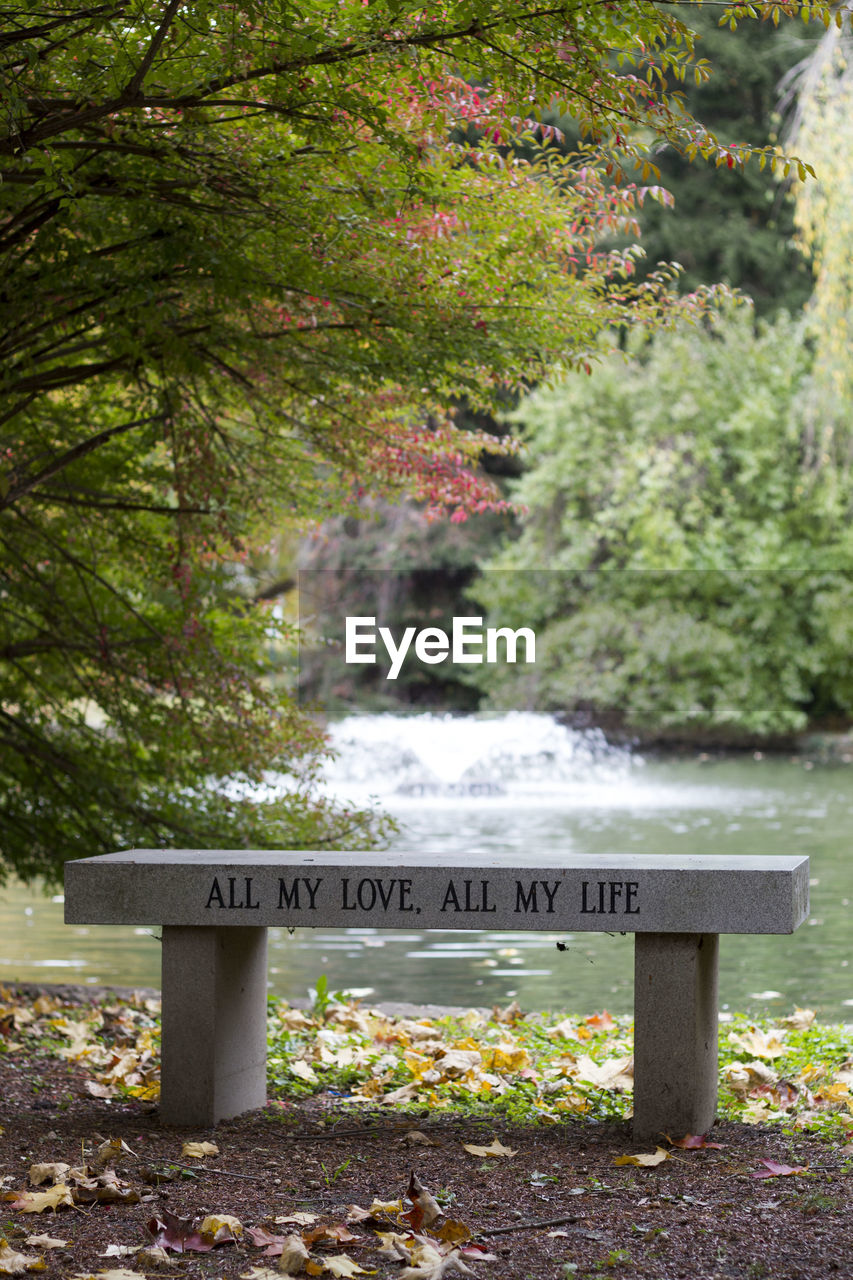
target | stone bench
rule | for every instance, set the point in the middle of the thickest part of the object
(215, 906)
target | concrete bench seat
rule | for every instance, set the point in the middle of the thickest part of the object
(215, 906)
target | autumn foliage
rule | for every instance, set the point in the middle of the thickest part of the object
(250, 254)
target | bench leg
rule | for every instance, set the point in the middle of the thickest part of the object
(214, 1052)
(675, 1034)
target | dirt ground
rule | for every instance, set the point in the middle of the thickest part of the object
(559, 1207)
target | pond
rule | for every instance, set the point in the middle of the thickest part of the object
(525, 786)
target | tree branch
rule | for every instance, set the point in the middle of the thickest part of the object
(26, 484)
(135, 83)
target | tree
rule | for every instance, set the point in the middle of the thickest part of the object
(824, 123)
(241, 266)
(698, 578)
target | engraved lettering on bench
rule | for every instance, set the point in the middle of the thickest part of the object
(371, 892)
(612, 898)
(475, 900)
(289, 896)
(529, 901)
(216, 898)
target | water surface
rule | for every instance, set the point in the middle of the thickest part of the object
(539, 790)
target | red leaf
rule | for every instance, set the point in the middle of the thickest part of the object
(773, 1170)
(694, 1142)
(179, 1234)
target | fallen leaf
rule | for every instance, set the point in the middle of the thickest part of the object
(119, 1251)
(117, 1273)
(341, 1265)
(294, 1255)
(266, 1240)
(428, 1263)
(600, 1021)
(198, 1150)
(383, 1206)
(301, 1219)
(13, 1263)
(495, 1148)
(613, 1073)
(424, 1210)
(761, 1044)
(773, 1170)
(153, 1255)
(458, 1062)
(46, 1242)
(99, 1090)
(40, 1201)
(415, 1138)
(110, 1150)
(512, 1013)
(41, 1173)
(179, 1234)
(694, 1142)
(645, 1161)
(452, 1232)
(304, 1071)
(799, 1020)
(336, 1233)
(221, 1228)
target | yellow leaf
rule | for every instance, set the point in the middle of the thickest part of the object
(386, 1206)
(300, 1219)
(221, 1227)
(341, 1265)
(198, 1150)
(495, 1148)
(761, 1044)
(40, 1173)
(39, 1201)
(13, 1263)
(645, 1161)
(453, 1232)
(506, 1057)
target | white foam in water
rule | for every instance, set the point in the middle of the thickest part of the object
(519, 746)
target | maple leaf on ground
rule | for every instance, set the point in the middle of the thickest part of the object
(221, 1228)
(773, 1170)
(41, 1173)
(294, 1257)
(694, 1142)
(512, 1013)
(340, 1265)
(266, 1240)
(761, 1044)
(424, 1210)
(110, 1150)
(335, 1234)
(428, 1263)
(13, 1263)
(198, 1150)
(613, 1073)
(645, 1161)
(495, 1148)
(39, 1201)
(600, 1021)
(179, 1234)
